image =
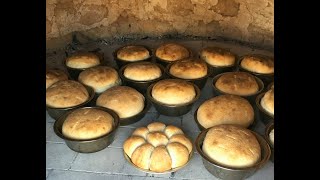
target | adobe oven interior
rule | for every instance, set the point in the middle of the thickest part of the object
(246, 21)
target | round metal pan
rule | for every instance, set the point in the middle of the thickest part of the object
(263, 115)
(74, 72)
(228, 173)
(91, 145)
(268, 129)
(266, 78)
(121, 62)
(250, 98)
(200, 82)
(172, 110)
(141, 86)
(151, 172)
(55, 113)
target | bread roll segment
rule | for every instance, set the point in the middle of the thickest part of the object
(158, 147)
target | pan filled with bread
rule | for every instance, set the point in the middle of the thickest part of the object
(87, 129)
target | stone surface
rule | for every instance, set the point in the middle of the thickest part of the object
(62, 163)
(243, 20)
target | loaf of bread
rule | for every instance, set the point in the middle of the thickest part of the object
(124, 100)
(225, 109)
(100, 78)
(232, 146)
(172, 52)
(133, 53)
(87, 123)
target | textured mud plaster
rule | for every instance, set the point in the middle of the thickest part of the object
(227, 8)
(243, 20)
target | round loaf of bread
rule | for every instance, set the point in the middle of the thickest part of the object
(82, 60)
(232, 146)
(67, 93)
(237, 83)
(55, 75)
(124, 100)
(173, 91)
(225, 109)
(189, 69)
(87, 123)
(133, 53)
(158, 147)
(100, 78)
(216, 56)
(258, 64)
(142, 71)
(267, 101)
(172, 52)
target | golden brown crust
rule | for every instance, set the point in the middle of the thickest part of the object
(156, 126)
(100, 78)
(267, 101)
(172, 52)
(179, 154)
(165, 154)
(189, 69)
(142, 71)
(258, 64)
(157, 139)
(237, 83)
(216, 56)
(55, 75)
(182, 139)
(133, 53)
(141, 156)
(82, 60)
(160, 160)
(173, 91)
(86, 124)
(67, 93)
(141, 131)
(124, 100)
(171, 130)
(232, 146)
(225, 109)
(132, 143)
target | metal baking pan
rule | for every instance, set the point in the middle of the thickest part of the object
(55, 113)
(250, 98)
(90, 145)
(141, 86)
(121, 62)
(172, 110)
(200, 82)
(263, 115)
(268, 129)
(228, 173)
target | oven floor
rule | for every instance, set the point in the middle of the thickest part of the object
(65, 164)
